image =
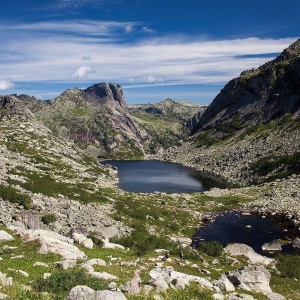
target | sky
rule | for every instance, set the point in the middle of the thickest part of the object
(155, 49)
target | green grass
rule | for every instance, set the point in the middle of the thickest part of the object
(10, 194)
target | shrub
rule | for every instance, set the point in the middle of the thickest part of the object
(49, 218)
(61, 282)
(12, 195)
(289, 265)
(213, 248)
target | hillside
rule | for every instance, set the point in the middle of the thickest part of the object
(250, 132)
(99, 121)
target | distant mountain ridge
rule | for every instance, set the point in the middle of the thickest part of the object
(99, 121)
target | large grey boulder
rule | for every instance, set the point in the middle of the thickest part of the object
(52, 242)
(237, 249)
(296, 243)
(133, 286)
(275, 296)
(224, 284)
(251, 278)
(272, 246)
(177, 279)
(5, 237)
(82, 292)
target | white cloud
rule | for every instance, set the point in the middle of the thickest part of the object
(6, 84)
(147, 29)
(51, 51)
(83, 71)
(129, 28)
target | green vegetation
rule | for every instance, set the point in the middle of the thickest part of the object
(289, 265)
(48, 219)
(61, 282)
(51, 187)
(213, 248)
(279, 166)
(10, 194)
(206, 138)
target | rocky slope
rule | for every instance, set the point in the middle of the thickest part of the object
(42, 175)
(99, 121)
(256, 96)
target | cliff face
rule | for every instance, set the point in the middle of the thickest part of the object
(111, 95)
(256, 96)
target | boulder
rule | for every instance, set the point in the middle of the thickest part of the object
(133, 286)
(5, 281)
(52, 242)
(272, 246)
(296, 243)
(239, 296)
(178, 279)
(275, 296)
(83, 240)
(3, 296)
(5, 237)
(82, 292)
(66, 264)
(224, 284)
(251, 278)
(243, 249)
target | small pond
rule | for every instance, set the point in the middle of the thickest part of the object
(147, 176)
(253, 230)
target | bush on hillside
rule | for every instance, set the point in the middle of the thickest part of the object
(213, 248)
(48, 218)
(289, 265)
(12, 195)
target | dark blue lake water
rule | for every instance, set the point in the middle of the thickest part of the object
(233, 227)
(147, 176)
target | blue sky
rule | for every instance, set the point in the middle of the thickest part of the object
(181, 49)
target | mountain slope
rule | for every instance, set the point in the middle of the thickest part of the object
(42, 174)
(256, 96)
(250, 133)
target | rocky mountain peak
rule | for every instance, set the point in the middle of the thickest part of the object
(10, 106)
(110, 95)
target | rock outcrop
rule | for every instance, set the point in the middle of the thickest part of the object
(257, 96)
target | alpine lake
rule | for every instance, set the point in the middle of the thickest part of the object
(148, 176)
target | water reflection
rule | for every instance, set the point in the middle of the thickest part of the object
(148, 176)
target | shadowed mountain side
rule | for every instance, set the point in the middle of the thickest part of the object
(256, 96)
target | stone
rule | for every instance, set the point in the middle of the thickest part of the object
(224, 284)
(40, 264)
(103, 275)
(47, 275)
(3, 296)
(168, 275)
(275, 296)
(239, 296)
(81, 239)
(296, 243)
(82, 292)
(218, 296)
(66, 264)
(23, 273)
(272, 246)
(243, 249)
(5, 281)
(251, 278)
(52, 242)
(5, 237)
(107, 244)
(133, 286)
